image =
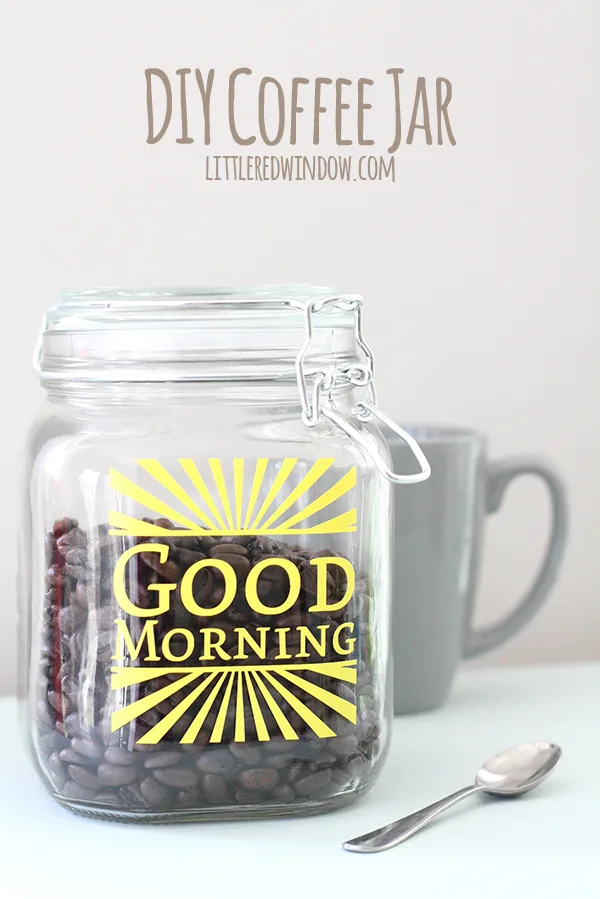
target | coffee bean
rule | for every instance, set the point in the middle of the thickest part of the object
(84, 776)
(74, 537)
(218, 761)
(248, 755)
(132, 796)
(239, 563)
(72, 790)
(306, 786)
(169, 570)
(215, 787)
(63, 526)
(189, 798)
(284, 792)
(56, 701)
(188, 557)
(116, 775)
(87, 748)
(154, 793)
(56, 576)
(243, 796)
(69, 756)
(229, 549)
(164, 523)
(258, 779)
(72, 725)
(325, 759)
(343, 746)
(162, 759)
(279, 745)
(280, 761)
(116, 755)
(182, 778)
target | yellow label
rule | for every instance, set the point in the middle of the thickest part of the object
(239, 682)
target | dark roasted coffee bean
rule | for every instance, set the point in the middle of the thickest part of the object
(77, 556)
(284, 792)
(182, 778)
(189, 557)
(239, 563)
(56, 576)
(82, 595)
(168, 570)
(154, 793)
(325, 759)
(69, 756)
(229, 549)
(87, 748)
(181, 725)
(205, 544)
(217, 761)
(72, 790)
(279, 745)
(306, 786)
(343, 747)
(84, 776)
(309, 580)
(263, 546)
(115, 775)
(346, 692)
(117, 755)
(58, 702)
(258, 779)
(248, 755)
(189, 798)
(63, 526)
(164, 523)
(71, 539)
(280, 761)
(242, 795)
(162, 759)
(215, 787)
(133, 795)
(240, 539)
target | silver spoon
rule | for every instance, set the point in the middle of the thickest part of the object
(509, 773)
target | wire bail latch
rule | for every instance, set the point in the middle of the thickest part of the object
(358, 375)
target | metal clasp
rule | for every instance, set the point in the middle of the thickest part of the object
(358, 375)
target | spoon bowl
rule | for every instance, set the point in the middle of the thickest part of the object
(517, 770)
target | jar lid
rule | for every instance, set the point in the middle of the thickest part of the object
(116, 334)
(312, 334)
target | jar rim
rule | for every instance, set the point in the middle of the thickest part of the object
(120, 297)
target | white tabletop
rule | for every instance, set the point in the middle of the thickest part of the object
(545, 844)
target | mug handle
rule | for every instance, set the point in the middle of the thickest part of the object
(499, 476)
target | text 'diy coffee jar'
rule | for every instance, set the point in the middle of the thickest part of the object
(205, 555)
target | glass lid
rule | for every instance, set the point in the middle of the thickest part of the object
(161, 334)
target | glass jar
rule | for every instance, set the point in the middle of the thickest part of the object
(205, 555)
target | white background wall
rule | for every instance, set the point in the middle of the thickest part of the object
(477, 264)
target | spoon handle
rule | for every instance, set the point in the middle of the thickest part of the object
(398, 831)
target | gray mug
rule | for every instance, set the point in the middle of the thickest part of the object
(439, 526)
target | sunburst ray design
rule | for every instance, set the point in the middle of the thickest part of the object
(221, 689)
(220, 508)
